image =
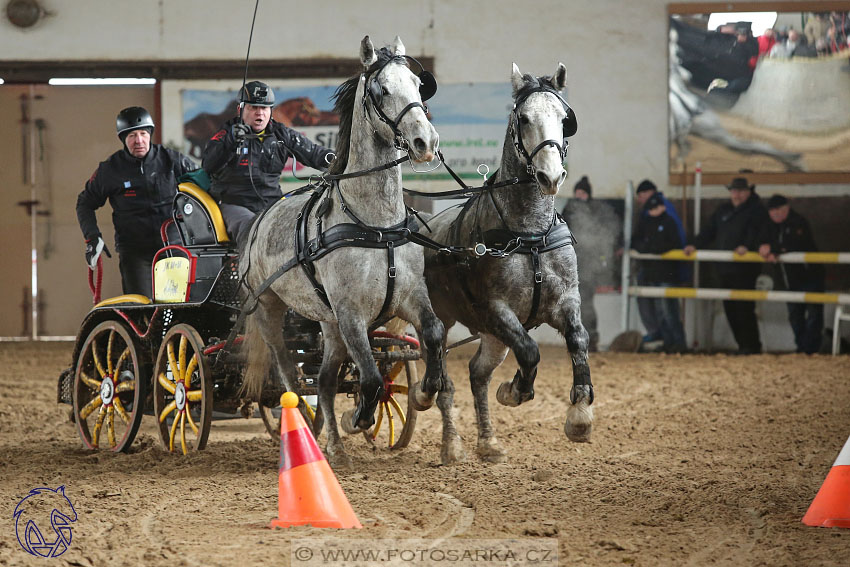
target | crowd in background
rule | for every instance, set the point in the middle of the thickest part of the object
(744, 223)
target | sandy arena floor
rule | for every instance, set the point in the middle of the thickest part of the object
(695, 460)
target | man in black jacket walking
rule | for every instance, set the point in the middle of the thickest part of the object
(788, 231)
(246, 157)
(140, 182)
(737, 225)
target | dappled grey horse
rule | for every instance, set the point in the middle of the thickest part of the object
(520, 269)
(382, 275)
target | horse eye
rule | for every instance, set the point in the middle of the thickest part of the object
(384, 91)
(523, 120)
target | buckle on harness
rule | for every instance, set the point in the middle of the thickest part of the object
(538, 277)
(391, 272)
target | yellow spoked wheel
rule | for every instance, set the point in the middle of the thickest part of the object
(182, 388)
(109, 388)
(396, 418)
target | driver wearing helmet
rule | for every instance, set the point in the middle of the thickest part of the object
(140, 182)
(246, 157)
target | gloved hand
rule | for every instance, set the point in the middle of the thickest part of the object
(93, 249)
(239, 131)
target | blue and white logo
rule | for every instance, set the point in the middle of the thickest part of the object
(43, 521)
(127, 184)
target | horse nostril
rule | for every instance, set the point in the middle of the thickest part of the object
(420, 145)
(562, 178)
(542, 179)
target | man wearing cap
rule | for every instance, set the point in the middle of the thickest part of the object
(646, 189)
(597, 230)
(788, 231)
(737, 225)
(140, 182)
(656, 234)
(246, 157)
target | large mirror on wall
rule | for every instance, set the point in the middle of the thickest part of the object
(761, 88)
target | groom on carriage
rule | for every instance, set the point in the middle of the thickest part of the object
(245, 158)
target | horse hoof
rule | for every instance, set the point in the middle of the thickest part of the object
(420, 400)
(579, 424)
(339, 461)
(452, 451)
(491, 451)
(347, 422)
(505, 395)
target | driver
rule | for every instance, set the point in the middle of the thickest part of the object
(245, 158)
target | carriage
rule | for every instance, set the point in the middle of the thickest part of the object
(169, 355)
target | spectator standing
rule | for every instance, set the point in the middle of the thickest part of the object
(657, 233)
(597, 230)
(788, 231)
(646, 189)
(737, 225)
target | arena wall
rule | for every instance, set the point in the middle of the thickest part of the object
(615, 53)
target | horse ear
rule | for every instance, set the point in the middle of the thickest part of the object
(559, 79)
(517, 82)
(367, 53)
(398, 47)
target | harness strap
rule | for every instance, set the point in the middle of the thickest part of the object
(538, 284)
(388, 297)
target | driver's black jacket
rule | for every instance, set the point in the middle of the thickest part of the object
(249, 175)
(141, 192)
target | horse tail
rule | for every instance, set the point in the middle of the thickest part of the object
(258, 354)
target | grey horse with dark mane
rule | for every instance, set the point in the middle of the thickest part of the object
(379, 274)
(520, 271)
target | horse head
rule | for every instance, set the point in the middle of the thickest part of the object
(541, 122)
(393, 97)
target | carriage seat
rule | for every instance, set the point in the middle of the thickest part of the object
(198, 217)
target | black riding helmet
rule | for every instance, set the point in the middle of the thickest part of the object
(133, 118)
(256, 93)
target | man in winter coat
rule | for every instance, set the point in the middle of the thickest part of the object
(246, 157)
(657, 233)
(788, 231)
(140, 182)
(737, 225)
(597, 230)
(646, 189)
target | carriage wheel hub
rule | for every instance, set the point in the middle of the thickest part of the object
(180, 395)
(107, 390)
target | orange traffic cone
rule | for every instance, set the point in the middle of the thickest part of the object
(308, 491)
(831, 506)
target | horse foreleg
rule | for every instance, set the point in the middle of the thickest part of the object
(502, 323)
(430, 330)
(579, 422)
(332, 358)
(353, 332)
(490, 354)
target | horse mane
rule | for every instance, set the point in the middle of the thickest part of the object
(532, 82)
(344, 100)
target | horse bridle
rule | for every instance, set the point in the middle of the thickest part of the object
(373, 91)
(569, 127)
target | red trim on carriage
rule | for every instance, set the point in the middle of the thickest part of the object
(406, 338)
